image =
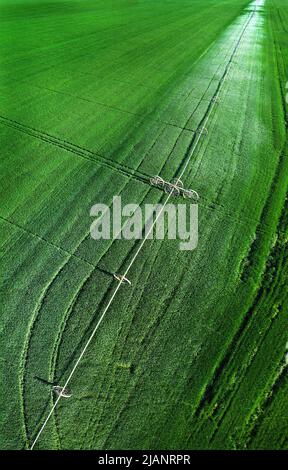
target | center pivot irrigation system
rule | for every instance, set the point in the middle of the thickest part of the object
(174, 188)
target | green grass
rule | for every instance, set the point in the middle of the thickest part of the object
(94, 97)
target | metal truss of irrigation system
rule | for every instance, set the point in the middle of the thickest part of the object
(123, 278)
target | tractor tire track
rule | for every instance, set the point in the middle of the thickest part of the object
(75, 149)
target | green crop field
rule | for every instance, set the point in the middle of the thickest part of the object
(96, 97)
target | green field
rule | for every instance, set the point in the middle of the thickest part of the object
(96, 96)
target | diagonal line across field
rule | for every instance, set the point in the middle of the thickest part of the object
(76, 149)
(185, 164)
(123, 169)
(45, 240)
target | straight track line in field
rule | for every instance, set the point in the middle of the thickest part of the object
(91, 265)
(47, 242)
(192, 150)
(75, 149)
